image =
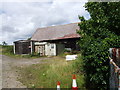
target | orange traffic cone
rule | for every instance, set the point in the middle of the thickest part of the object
(74, 84)
(58, 85)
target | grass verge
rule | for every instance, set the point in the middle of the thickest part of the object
(47, 74)
(8, 51)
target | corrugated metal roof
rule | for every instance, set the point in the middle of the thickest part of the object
(22, 41)
(69, 36)
(56, 32)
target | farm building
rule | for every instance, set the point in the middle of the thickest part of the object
(22, 47)
(51, 41)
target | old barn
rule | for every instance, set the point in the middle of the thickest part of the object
(51, 41)
(22, 47)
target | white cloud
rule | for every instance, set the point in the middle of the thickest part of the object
(21, 19)
(43, 0)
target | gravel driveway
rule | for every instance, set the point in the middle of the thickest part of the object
(9, 72)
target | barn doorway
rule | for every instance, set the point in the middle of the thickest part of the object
(41, 50)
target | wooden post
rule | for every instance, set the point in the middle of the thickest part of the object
(31, 43)
(14, 48)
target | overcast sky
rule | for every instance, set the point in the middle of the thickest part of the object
(19, 20)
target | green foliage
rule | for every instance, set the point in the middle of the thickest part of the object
(29, 38)
(4, 43)
(65, 50)
(7, 49)
(99, 33)
(35, 54)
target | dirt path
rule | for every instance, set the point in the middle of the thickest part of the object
(9, 72)
(0, 71)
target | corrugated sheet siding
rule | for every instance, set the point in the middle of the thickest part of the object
(22, 47)
(114, 78)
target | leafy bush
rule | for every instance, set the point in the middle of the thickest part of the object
(66, 50)
(99, 33)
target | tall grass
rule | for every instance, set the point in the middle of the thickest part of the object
(47, 74)
(7, 50)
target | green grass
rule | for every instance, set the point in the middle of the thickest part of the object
(0, 49)
(47, 74)
(8, 50)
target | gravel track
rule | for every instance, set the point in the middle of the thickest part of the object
(9, 71)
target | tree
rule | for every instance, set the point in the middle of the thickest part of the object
(29, 38)
(99, 33)
(4, 43)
